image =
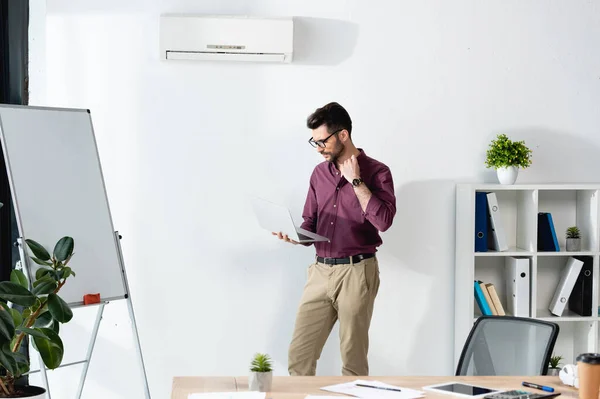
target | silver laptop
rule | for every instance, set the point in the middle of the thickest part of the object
(277, 218)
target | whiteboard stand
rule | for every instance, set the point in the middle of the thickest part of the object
(90, 350)
(39, 144)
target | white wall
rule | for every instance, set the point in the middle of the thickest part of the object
(183, 145)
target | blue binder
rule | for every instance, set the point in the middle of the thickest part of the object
(547, 240)
(481, 301)
(481, 222)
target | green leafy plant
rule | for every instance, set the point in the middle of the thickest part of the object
(503, 152)
(261, 363)
(38, 314)
(555, 361)
(573, 232)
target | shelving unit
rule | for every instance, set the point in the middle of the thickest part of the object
(569, 204)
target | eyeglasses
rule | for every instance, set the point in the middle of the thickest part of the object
(321, 143)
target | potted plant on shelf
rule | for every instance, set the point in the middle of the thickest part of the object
(554, 363)
(573, 239)
(507, 157)
(38, 315)
(261, 373)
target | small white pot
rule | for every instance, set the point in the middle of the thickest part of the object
(507, 174)
(261, 382)
(33, 392)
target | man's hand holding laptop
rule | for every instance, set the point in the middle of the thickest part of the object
(285, 238)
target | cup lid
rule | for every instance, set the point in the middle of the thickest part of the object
(590, 358)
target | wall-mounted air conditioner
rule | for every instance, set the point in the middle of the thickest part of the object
(226, 38)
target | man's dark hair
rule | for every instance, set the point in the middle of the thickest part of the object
(333, 115)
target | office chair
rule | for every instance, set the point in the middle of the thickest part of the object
(508, 345)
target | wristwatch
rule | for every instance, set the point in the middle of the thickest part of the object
(356, 182)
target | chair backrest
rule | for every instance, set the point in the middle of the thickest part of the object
(508, 345)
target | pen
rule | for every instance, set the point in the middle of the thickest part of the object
(384, 388)
(542, 387)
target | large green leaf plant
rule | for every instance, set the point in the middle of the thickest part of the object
(36, 313)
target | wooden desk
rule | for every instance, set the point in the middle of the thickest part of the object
(299, 387)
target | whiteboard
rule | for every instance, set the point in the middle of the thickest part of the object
(58, 190)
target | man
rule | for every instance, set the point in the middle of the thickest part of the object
(350, 200)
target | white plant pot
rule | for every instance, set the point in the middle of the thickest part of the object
(507, 175)
(33, 392)
(261, 382)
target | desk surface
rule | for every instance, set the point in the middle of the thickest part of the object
(298, 387)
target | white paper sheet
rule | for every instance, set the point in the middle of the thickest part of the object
(351, 388)
(323, 397)
(227, 395)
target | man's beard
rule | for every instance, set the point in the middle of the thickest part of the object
(335, 153)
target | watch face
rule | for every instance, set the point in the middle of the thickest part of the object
(355, 182)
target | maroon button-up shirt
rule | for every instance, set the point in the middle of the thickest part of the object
(332, 208)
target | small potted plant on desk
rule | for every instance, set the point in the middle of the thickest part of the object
(573, 239)
(37, 315)
(507, 157)
(554, 363)
(261, 373)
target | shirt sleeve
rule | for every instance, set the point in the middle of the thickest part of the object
(381, 208)
(309, 214)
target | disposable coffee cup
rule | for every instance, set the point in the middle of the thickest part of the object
(588, 371)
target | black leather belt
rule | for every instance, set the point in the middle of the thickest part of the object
(344, 261)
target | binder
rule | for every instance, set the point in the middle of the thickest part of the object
(546, 236)
(568, 277)
(580, 300)
(517, 286)
(481, 222)
(499, 237)
(481, 301)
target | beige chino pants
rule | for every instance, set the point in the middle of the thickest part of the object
(332, 292)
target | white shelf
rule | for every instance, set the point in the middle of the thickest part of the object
(565, 253)
(512, 251)
(570, 205)
(568, 315)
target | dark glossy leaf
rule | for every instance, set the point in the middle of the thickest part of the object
(55, 326)
(63, 248)
(34, 332)
(18, 277)
(38, 250)
(44, 320)
(7, 325)
(65, 273)
(44, 272)
(16, 315)
(7, 359)
(16, 294)
(45, 288)
(59, 309)
(45, 279)
(50, 349)
(40, 262)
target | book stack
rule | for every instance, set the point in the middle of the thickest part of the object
(487, 299)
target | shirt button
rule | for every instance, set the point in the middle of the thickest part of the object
(337, 188)
(334, 205)
(331, 222)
